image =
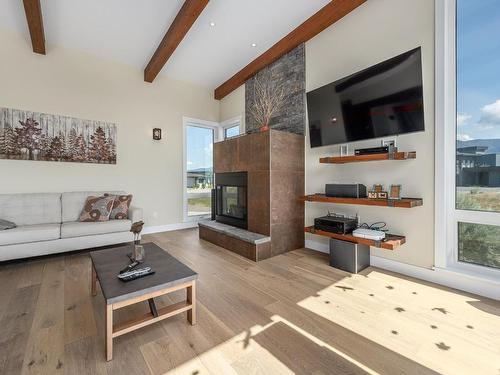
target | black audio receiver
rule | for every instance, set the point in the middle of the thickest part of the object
(335, 224)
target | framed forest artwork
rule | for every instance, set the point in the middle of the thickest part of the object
(26, 135)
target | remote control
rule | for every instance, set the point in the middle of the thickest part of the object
(135, 274)
(130, 267)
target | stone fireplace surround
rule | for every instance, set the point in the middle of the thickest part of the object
(274, 162)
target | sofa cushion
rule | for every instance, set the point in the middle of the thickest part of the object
(97, 208)
(79, 229)
(30, 233)
(30, 209)
(72, 202)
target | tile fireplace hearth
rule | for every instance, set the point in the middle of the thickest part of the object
(251, 245)
(273, 164)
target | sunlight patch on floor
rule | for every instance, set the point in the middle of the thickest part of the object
(244, 353)
(416, 320)
(239, 355)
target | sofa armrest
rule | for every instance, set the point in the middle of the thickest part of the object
(135, 214)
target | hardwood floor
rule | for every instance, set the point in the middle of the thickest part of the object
(288, 314)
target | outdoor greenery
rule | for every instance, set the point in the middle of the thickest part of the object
(479, 244)
(479, 200)
(202, 186)
(199, 205)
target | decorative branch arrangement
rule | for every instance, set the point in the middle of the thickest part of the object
(269, 97)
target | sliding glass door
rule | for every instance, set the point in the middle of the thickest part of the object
(476, 215)
(199, 176)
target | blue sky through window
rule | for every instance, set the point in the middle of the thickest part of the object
(478, 68)
(199, 147)
(232, 131)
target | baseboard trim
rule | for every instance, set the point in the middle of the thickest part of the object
(467, 283)
(457, 280)
(169, 227)
(318, 246)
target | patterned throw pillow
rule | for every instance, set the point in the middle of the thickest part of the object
(97, 209)
(121, 205)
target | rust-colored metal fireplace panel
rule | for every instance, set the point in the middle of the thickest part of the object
(258, 202)
(274, 162)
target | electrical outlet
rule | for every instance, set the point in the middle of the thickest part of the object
(155, 214)
(344, 150)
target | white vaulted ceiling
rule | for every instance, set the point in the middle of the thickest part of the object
(129, 31)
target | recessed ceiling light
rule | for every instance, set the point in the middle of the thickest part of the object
(212, 24)
(254, 44)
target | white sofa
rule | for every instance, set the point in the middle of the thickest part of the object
(48, 223)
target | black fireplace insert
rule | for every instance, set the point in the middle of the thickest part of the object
(230, 203)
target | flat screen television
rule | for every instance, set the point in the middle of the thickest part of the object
(385, 99)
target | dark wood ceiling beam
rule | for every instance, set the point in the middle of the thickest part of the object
(190, 11)
(325, 17)
(33, 11)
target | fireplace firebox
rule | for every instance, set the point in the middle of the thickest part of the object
(230, 203)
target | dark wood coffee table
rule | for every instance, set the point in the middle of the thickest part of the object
(171, 275)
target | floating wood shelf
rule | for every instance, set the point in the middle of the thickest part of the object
(361, 158)
(401, 203)
(390, 242)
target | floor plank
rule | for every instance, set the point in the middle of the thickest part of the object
(8, 281)
(45, 348)
(78, 316)
(15, 327)
(30, 274)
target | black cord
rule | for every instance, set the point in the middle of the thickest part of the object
(379, 225)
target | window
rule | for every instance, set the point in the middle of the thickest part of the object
(199, 139)
(478, 129)
(478, 105)
(469, 143)
(479, 244)
(232, 127)
(232, 131)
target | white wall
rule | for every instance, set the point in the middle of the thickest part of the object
(374, 32)
(79, 85)
(233, 105)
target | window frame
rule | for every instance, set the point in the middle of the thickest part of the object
(230, 123)
(447, 215)
(218, 135)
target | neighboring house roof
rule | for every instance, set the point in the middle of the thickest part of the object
(472, 150)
